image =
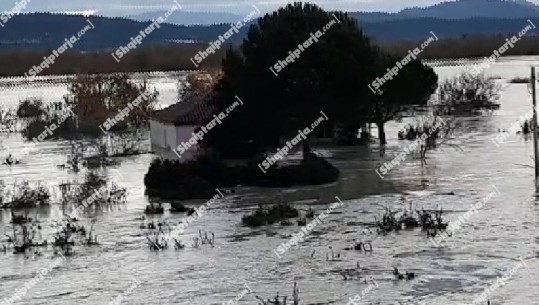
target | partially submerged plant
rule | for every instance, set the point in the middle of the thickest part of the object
(75, 157)
(361, 246)
(8, 122)
(63, 238)
(11, 160)
(95, 191)
(389, 222)
(25, 196)
(205, 239)
(26, 238)
(281, 300)
(154, 209)
(432, 221)
(20, 219)
(178, 207)
(196, 242)
(275, 213)
(410, 219)
(178, 244)
(467, 94)
(333, 258)
(92, 238)
(157, 241)
(400, 276)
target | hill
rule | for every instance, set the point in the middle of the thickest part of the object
(459, 10)
(43, 31)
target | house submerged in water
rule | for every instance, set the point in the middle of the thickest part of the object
(175, 124)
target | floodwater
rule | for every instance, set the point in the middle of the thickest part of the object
(488, 246)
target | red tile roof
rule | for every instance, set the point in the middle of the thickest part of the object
(195, 110)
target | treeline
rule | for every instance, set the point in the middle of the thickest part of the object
(467, 47)
(419, 28)
(175, 57)
(163, 58)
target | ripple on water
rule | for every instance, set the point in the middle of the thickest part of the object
(483, 249)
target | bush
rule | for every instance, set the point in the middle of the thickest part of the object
(467, 94)
(96, 98)
(198, 179)
(30, 108)
(65, 130)
(27, 197)
(312, 170)
(274, 214)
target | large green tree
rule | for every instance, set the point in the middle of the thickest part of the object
(328, 74)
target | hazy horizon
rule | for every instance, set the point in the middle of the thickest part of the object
(114, 8)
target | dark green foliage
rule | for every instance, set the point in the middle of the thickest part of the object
(330, 75)
(199, 179)
(311, 171)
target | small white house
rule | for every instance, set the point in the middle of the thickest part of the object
(176, 124)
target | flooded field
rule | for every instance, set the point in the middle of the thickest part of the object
(486, 247)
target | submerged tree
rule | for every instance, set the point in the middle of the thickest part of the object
(97, 98)
(8, 121)
(413, 85)
(286, 75)
(195, 83)
(26, 196)
(428, 134)
(468, 93)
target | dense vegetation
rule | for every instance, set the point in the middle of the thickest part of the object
(172, 57)
(199, 179)
(467, 94)
(93, 102)
(468, 46)
(167, 57)
(332, 76)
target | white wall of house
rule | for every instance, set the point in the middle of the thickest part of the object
(166, 137)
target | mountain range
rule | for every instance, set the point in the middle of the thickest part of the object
(450, 10)
(45, 31)
(459, 10)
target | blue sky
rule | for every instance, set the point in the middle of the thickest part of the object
(127, 7)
